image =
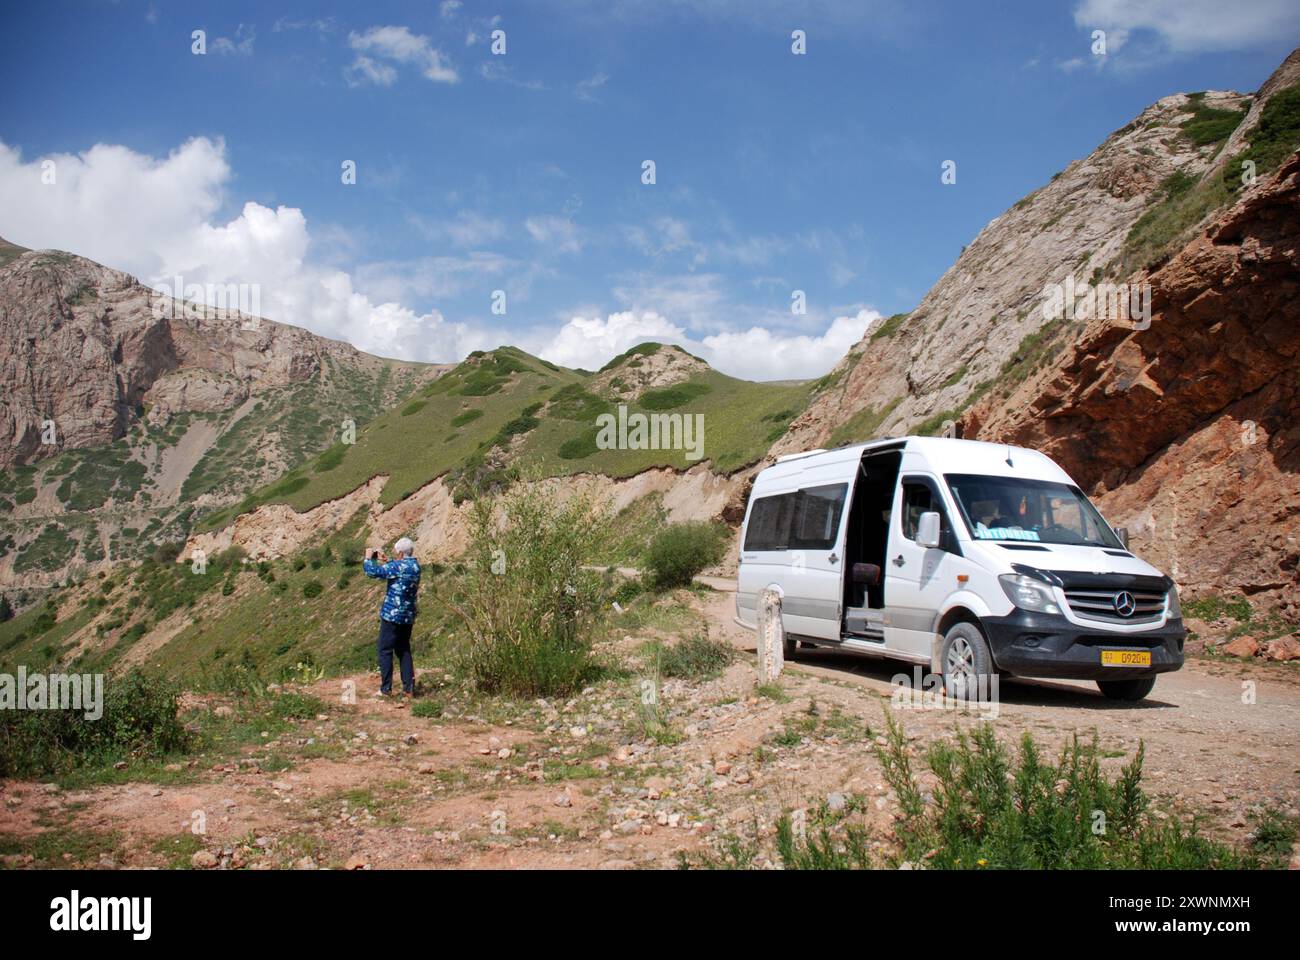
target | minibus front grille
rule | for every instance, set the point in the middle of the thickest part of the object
(1108, 605)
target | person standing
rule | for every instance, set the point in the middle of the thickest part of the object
(397, 613)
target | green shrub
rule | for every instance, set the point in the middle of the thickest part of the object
(427, 708)
(480, 383)
(415, 406)
(530, 607)
(1272, 140)
(681, 550)
(312, 588)
(331, 458)
(139, 721)
(296, 706)
(576, 448)
(1215, 607)
(694, 658)
(575, 403)
(520, 424)
(468, 416)
(888, 327)
(669, 398)
(990, 811)
(1211, 124)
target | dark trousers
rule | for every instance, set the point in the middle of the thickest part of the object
(395, 638)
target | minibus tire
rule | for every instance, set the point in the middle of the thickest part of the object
(1136, 689)
(981, 660)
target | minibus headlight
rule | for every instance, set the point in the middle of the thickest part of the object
(1175, 607)
(1028, 593)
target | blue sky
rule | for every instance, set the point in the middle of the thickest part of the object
(522, 172)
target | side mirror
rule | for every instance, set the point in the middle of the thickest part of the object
(927, 530)
(1122, 533)
(866, 574)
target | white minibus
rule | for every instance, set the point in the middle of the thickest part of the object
(975, 558)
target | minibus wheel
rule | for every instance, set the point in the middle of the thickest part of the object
(966, 662)
(1127, 689)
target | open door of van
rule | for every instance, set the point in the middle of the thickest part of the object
(919, 575)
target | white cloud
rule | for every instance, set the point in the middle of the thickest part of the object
(588, 88)
(1192, 26)
(760, 354)
(156, 218)
(322, 26)
(589, 342)
(498, 72)
(447, 9)
(240, 46)
(398, 45)
(159, 217)
(557, 233)
(466, 229)
(754, 354)
(363, 70)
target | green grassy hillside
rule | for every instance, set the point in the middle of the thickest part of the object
(508, 408)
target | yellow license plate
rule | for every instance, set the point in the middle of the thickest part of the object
(1126, 658)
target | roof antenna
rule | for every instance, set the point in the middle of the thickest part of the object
(1009, 463)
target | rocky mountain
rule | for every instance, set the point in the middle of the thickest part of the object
(1147, 407)
(84, 349)
(981, 327)
(125, 416)
(1188, 430)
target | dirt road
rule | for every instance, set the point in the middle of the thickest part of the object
(1224, 734)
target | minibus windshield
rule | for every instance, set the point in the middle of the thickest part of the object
(1008, 508)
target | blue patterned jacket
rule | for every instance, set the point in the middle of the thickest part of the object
(403, 576)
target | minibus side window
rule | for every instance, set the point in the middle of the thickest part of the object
(817, 517)
(920, 496)
(916, 501)
(769, 522)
